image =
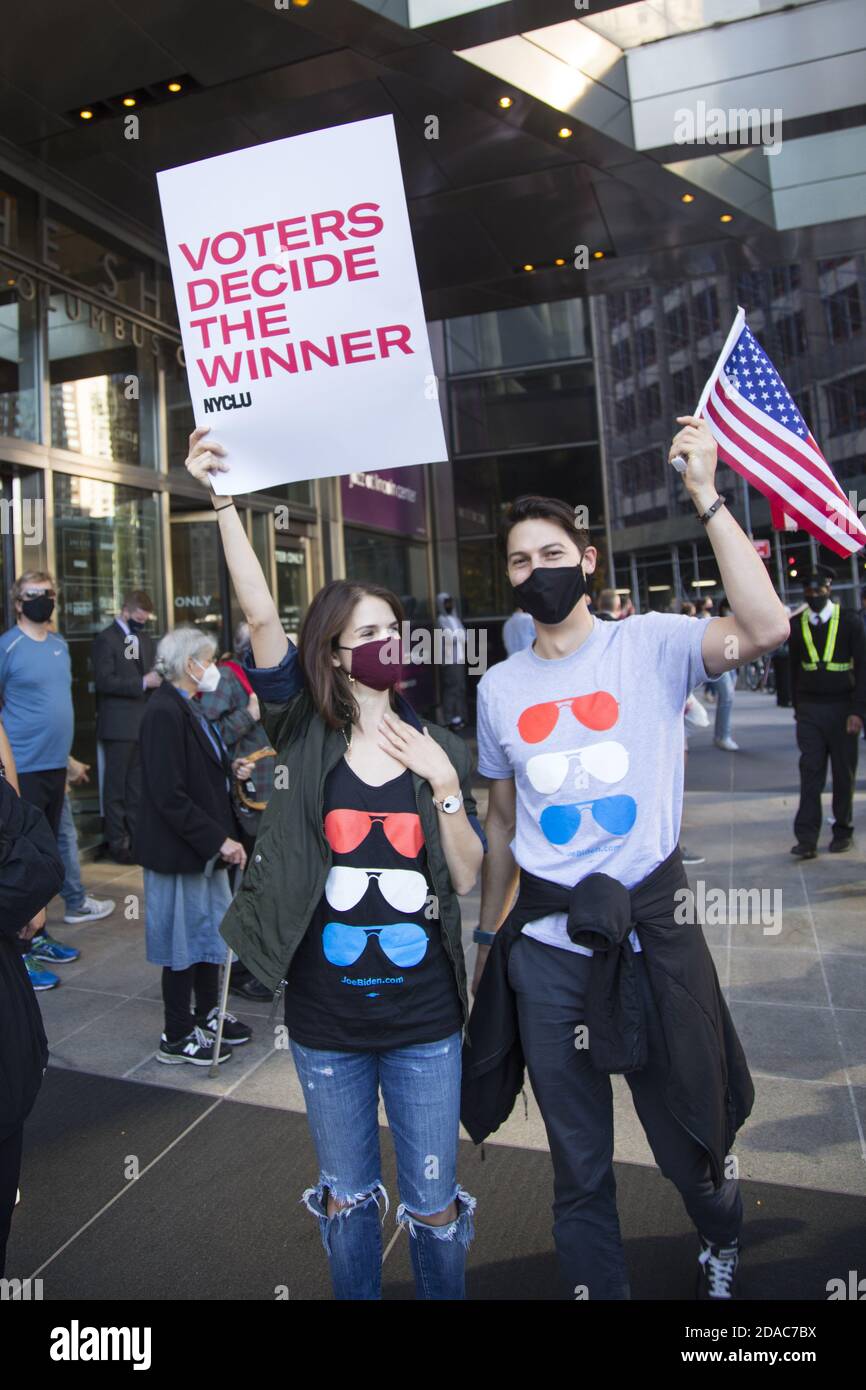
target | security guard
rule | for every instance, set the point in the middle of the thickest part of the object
(828, 679)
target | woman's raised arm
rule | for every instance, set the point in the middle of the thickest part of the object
(269, 641)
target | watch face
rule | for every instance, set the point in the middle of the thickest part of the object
(451, 804)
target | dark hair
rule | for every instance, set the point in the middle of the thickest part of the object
(544, 509)
(326, 617)
(138, 598)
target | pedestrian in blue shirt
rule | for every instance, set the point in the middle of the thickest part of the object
(36, 693)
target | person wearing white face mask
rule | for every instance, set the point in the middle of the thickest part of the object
(186, 839)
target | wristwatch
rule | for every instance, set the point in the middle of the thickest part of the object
(449, 804)
(483, 938)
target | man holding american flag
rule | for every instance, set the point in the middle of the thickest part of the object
(762, 435)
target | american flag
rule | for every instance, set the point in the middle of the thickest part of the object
(762, 435)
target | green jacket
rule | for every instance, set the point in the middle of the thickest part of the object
(285, 876)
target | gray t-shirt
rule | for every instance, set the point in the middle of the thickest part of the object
(594, 742)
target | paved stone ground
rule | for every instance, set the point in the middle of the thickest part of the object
(796, 981)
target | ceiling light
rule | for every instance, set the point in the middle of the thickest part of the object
(174, 86)
(598, 255)
(529, 267)
(86, 115)
(129, 101)
(559, 261)
(564, 132)
(687, 198)
(726, 217)
(505, 102)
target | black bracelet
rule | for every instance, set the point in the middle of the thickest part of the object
(711, 511)
(222, 509)
(483, 938)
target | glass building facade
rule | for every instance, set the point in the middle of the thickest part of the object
(573, 398)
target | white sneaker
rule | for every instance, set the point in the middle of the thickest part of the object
(728, 745)
(91, 910)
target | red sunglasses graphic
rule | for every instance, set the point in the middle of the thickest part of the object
(597, 711)
(346, 830)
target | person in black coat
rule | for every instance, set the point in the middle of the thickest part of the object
(186, 837)
(123, 656)
(31, 872)
(828, 686)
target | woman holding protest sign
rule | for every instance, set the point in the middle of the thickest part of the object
(349, 906)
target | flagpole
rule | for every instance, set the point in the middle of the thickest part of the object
(679, 463)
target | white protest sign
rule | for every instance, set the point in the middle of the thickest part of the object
(303, 328)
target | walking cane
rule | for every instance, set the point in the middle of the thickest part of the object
(226, 980)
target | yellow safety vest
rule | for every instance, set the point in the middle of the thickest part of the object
(829, 646)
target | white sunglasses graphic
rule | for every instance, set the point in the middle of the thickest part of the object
(608, 761)
(404, 889)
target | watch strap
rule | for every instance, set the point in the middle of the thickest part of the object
(711, 510)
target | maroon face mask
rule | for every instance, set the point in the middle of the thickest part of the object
(377, 664)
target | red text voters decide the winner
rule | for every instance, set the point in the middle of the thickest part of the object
(303, 328)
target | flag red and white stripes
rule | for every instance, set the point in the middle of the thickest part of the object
(762, 435)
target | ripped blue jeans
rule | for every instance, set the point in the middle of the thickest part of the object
(421, 1091)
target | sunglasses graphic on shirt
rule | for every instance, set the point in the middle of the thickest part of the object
(616, 814)
(346, 830)
(404, 943)
(404, 889)
(598, 711)
(607, 761)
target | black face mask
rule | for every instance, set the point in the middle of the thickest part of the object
(135, 626)
(38, 610)
(551, 592)
(818, 602)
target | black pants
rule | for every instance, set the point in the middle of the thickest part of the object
(10, 1171)
(178, 987)
(45, 790)
(821, 736)
(576, 1103)
(121, 791)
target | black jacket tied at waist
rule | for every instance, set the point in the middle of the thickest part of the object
(708, 1089)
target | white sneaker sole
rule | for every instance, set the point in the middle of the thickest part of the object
(170, 1060)
(78, 919)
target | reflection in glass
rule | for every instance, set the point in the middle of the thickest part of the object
(18, 397)
(195, 566)
(99, 384)
(107, 542)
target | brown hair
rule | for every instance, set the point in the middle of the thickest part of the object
(545, 509)
(138, 598)
(326, 617)
(28, 577)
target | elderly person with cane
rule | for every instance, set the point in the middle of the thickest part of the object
(186, 838)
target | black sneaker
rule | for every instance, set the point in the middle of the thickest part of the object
(804, 851)
(197, 1047)
(717, 1271)
(840, 843)
(234, 1032)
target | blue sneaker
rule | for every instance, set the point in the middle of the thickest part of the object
(40, 979)
(44, 947)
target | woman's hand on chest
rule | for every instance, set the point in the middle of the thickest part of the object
(417, 750)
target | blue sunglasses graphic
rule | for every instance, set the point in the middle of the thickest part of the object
(616, 814)
(404, 943)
